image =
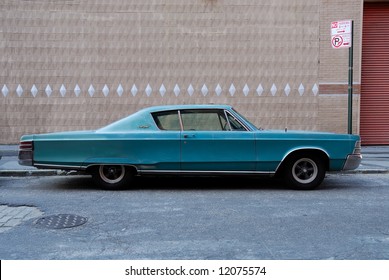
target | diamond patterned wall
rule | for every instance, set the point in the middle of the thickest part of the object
(69, 65)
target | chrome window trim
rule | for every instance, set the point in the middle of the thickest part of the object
(157, 112)
(237, 119)
(228, 121)
(180, 120)
(245, 122)
(225, 111)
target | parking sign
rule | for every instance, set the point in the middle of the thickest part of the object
(341, 34)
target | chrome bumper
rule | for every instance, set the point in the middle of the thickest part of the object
(352, 162)
(26, 153)
(25, 158)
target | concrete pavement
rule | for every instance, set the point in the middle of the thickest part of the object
(213, 218)
(375, 160)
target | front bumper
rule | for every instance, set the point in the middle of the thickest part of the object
(352, 162)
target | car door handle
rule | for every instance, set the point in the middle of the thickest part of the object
(189, 136)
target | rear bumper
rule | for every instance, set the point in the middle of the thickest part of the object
(352, 162)
(25, 158)
(26, 153)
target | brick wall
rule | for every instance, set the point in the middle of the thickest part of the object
(333, 69)
(72, 65)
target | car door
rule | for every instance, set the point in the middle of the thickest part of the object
(163, 146)
(209, 143)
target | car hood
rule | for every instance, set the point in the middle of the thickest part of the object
(305, 134)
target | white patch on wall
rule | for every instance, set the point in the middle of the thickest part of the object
(91, 90)
(204, 90)
(77, 90)
(120, 90)
(176, 90)
(218, 90)
(34, 90)
(62, 90)
(48, 90)
(287, 90)
(19, 90)
(162, 90)
(260, 89)
(301, 89)
(190, 90)
(105, 90)
(4, 90)
(134, 90)
(232, 90)
(148, 90)
(273, 90)
(315, 89)
(246, 90)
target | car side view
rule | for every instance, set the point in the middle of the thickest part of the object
(196, 140)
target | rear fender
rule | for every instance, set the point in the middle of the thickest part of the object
(105, 161)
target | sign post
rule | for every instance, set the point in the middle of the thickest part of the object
(350, 81)
(342, 36)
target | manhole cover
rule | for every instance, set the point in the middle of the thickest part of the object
(62, 221)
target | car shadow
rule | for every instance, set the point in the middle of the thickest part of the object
(178, 183)
(208, 183)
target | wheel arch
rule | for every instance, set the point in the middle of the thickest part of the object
(91, 167)
(317, 152)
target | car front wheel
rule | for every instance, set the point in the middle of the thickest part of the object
(305, 172)
(112, 177)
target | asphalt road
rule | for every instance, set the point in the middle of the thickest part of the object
(167, 218)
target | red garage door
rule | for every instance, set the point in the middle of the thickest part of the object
(374, 126)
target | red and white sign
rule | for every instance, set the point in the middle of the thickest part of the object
(341, 34)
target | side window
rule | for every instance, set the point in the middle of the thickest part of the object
(204, 120)
(235, 124)
(167, 120)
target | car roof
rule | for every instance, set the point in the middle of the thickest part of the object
(186, 106)
(142, 117)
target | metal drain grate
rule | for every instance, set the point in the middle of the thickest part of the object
(61, 221)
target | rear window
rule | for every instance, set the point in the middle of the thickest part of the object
(167, 120)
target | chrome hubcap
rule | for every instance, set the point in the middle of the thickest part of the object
(305, 170)
(111, 174)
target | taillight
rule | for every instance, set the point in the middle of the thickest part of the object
(26, 153)
(25, 145)
(357, 148)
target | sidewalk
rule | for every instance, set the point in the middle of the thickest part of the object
(375, 160)
(9, 166)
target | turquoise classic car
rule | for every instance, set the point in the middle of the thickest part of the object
(192, 140)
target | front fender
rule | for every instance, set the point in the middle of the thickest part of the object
(307, 149)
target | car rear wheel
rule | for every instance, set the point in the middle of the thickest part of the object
(305, 172)
(112, 177)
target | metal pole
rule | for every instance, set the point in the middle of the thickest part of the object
(350, 81)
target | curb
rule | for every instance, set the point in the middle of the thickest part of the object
(9, 153)
(366, 171)
(28, 173)
(31, 173)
